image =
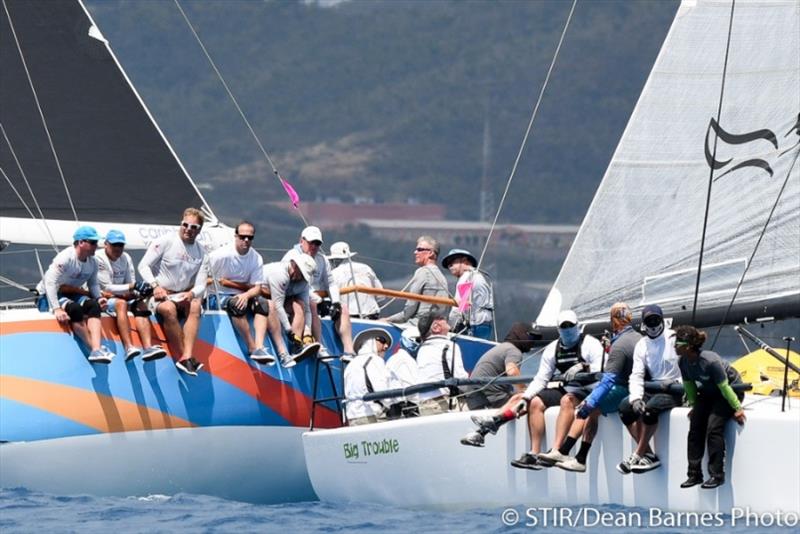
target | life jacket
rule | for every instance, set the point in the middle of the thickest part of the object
(567, 357)
(368, 382)
(447, 372)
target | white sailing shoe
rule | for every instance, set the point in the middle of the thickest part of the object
(572, 464)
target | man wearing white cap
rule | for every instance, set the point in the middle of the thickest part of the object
(323, 285)
(572, 353)
(347, 272)
(70, 288)
(115, 274)
(287, 285)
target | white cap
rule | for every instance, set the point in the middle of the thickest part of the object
(312, 233)
(341, 251)
(567, 316)
(306, 264)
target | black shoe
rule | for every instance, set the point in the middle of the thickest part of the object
(473, 439)
(692, 481)
(306, 351)
(190, 366)
(714, 481)
(527, 461)
(485, 423)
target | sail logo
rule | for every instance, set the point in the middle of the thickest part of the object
(742, 139)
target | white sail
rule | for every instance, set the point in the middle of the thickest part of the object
(640, 241)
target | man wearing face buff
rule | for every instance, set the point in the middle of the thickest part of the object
(605, 398)
(655, 355)
(572, 353)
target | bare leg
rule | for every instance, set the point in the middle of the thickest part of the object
(566, 416)
(345, 330)
(643, 447)
(123, 325)
(590, 428)
(576, 429)
(82, 332)
(94, 327)
(316, 324)
(143, 326)
(190, 328)
(172, 328)
(275, 329)
(260, 328)
(243, 327)
(299, 320)
(536, 410)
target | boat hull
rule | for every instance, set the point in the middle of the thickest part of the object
(419, 462)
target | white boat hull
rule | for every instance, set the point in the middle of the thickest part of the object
(261, 464)
(419, 462)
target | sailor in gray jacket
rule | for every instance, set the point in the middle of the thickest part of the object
(427, 280)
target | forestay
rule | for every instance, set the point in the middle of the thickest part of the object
(640, 240)
(116, 164)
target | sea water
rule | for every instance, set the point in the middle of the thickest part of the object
(27, 511)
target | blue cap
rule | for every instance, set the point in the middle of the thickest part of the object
(86, 233)
(115, 236)
(651, 309)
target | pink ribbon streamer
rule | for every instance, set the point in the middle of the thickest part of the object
(293, 196)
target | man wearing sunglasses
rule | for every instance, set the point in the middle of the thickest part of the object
(428, 279)
(71, 290)
(116, 277)
(323, 285)
(176, 266)
(236, 270)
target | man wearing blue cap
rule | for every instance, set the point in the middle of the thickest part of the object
(478, 312)
(117, 282)
(71, 290)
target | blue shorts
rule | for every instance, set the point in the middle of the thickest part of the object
(483, 330)
(612, 399)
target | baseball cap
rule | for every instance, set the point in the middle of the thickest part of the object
(567, 316)
(651, 309)
(306, 264)
(86, 233)
(312, 233)
(114, 237)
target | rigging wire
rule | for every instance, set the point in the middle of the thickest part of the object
(30, 190)
(755, 248)
(41, 113)
(235, 103)
(713, 158)
(527, 133)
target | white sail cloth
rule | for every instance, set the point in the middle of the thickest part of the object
(640, 240)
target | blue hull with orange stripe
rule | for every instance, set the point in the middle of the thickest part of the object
(132, 428)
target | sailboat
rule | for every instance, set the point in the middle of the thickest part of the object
(79, 146)
(643, 241)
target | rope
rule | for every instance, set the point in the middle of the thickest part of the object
(41, 113)
(755, 248)
(711, 172)
(527, 133)
(235, 102)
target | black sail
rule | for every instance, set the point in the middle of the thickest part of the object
(116, 163)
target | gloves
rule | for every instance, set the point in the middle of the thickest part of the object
(336, 311)
(522, 405)
(570, 374)
(295, 343)
(307, 339)
(584, 410)
(143, 288)
(638, 406)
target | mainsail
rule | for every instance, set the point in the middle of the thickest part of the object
(115, 164)
(641, 238)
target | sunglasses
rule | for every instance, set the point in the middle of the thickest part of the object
(191, 226)
(315, 243)
(245, 237)
(653, 321)
(117, 245)
(423, 249)
(91, 242)
(382, 340)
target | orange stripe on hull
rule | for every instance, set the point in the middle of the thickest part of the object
(101, 412)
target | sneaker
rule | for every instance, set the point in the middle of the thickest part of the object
(262, 356)
(100, 356)
(485, 422)
(714, 481)
(287, 361)
(551, 458)
(132, 352)
(648, 462)
(347, 357)
(323, 355)
(190, 366)
(153, 352)
(307, 350)
(693, 480)
(624, 466)
(527, 461)
(572, 464)
(473, 439)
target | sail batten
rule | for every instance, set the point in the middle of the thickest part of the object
(116, 162)
(640, 240)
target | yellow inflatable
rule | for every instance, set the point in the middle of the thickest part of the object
(766, 373)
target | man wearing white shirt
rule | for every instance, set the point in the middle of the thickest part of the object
(366, 373)
(176, 266)
(347, 272)
(438, 358)
(115, 275)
